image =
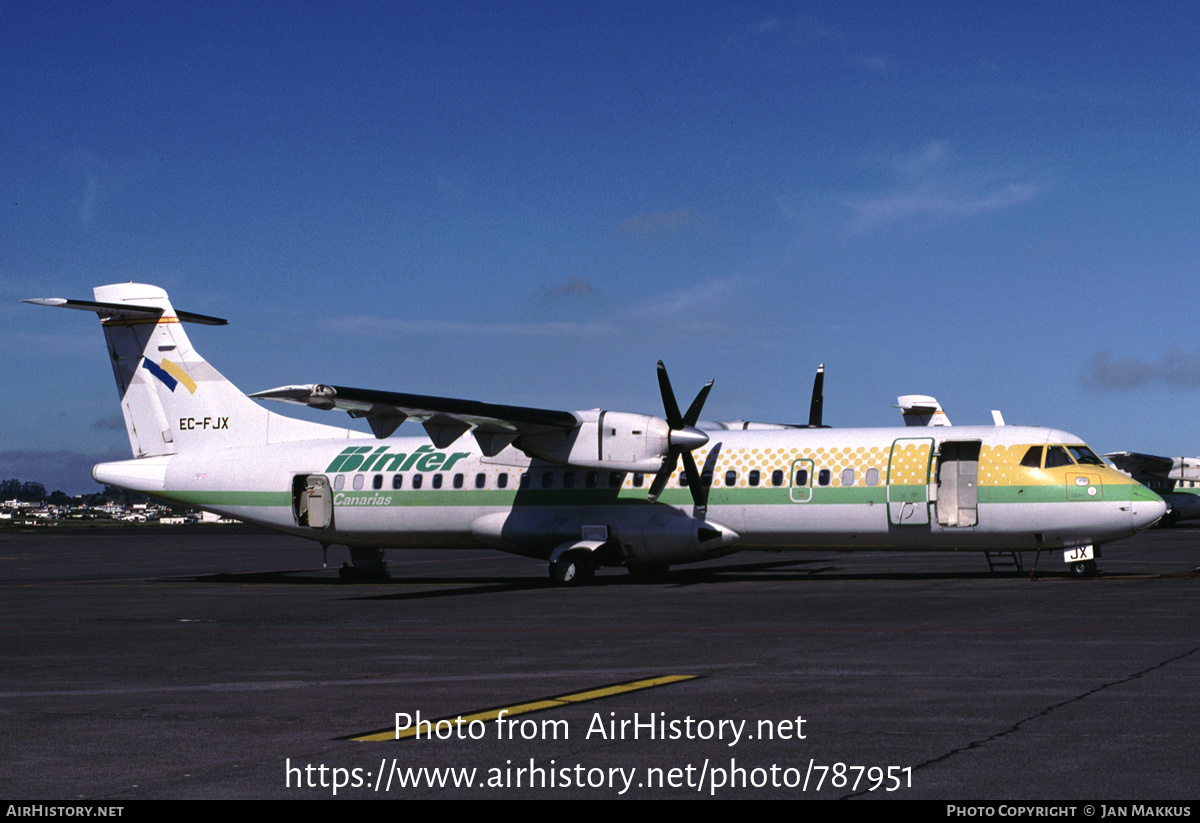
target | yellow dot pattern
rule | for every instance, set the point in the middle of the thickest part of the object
(910, 464)
(999, 465)
(767, 461)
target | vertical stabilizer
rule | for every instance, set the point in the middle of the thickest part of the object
(173, 401)
(171, 397)
(922, 410)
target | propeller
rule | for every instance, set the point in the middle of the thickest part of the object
(682, 439)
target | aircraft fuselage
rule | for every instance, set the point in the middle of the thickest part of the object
(781, 489)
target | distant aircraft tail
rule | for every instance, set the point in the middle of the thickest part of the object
(172, 399)
(922, 410)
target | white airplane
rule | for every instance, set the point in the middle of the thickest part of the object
(1175, 479)
(584, 489)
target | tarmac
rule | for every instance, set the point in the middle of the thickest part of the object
(225, 662)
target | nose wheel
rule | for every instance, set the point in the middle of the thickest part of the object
(1084, 568)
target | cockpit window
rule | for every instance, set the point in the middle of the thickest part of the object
(1057, 456)
(1085, 456)
(1032, 458)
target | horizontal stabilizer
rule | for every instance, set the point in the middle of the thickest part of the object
(124, 311)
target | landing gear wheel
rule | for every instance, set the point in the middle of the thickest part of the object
(572, 569)
(1084, 568)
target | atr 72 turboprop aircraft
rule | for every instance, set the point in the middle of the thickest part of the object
(584, 489)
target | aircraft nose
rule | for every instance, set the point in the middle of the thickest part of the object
(1148, 508)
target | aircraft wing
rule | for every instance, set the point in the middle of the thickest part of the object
(1136, 464)
(445, 419)
(611, 440)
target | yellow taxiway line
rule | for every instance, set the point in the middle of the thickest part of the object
(539, 705)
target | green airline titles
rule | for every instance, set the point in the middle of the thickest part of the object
(424, 459)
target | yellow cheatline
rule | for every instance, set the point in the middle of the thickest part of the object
(534, 706)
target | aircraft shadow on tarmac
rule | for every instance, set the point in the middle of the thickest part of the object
(775, 570)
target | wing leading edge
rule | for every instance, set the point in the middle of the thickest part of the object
(445, 418)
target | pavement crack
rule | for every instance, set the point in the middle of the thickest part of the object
(978, 744)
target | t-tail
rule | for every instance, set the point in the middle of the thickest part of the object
(172, 399)
(922, 410)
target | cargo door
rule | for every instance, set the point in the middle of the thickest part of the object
(958, 483)
(312, 501)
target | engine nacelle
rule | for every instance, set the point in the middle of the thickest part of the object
(620, 441)
(662, 536)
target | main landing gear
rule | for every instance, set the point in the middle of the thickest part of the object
(573, 568)
(1083, 568)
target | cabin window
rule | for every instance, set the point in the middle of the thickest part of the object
(569, 480)
(801, 477)
(502, 480)
(416, 481)
(1032, 458)
(358, 482)
(638, 479)
(683, 479)
(615, 479)
(731, 478)
(397, 481)
(706, 478)
(777, 477)
(547, 480)
(437, 481)
(753, 477)
(525, 481)
(377, 481)
(823, 477)
(339, 482)
(589, 480)
(872, 477)
(847, 477)
(458, 481)
(480, 480)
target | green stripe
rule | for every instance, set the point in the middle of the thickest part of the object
(767, 496)
(228, 498)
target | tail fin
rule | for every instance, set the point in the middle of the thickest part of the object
(172, 399)
(922, 410)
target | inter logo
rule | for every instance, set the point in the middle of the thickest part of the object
(423, 459)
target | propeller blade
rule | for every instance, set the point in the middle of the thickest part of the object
(664, 474)
(696, 486)
(693, 412)
(818, 399)
(674, 418)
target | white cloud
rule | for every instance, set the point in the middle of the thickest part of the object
(926, 188)
(933, 203)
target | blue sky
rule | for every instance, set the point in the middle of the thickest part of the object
(995, 204)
